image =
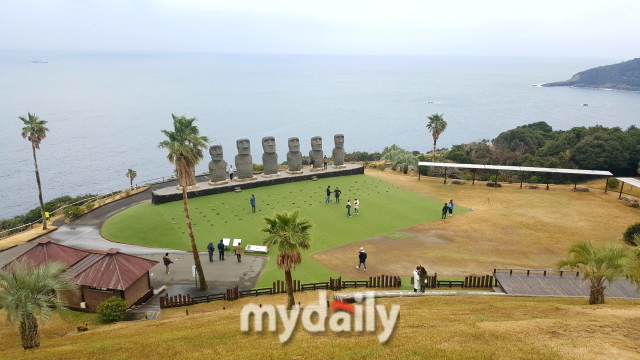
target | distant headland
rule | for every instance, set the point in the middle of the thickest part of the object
(622, 76)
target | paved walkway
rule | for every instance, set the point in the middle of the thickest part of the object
(84, 233)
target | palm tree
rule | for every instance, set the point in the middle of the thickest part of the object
(35, 130)
(28, 290)
(401, 157)
(290, 234)
(436, 127)
(131, 174)
(185, 147)
(599, 264)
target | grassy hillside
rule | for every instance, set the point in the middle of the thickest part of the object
(467, 327)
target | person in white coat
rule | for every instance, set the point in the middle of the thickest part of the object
(419, 278)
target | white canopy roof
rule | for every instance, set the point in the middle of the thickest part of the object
(630, 181)
(525, 168)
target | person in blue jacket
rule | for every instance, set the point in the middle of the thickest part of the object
(211, 249)
(221, 250)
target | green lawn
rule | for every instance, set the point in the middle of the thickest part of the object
(384, 209)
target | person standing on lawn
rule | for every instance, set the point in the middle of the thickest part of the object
(210, 248)
(349, 208)
(362, 257)
(337, 193)
(328, 200)
(445, 209)
(239, 252)
(451, 207)
(252, 201)
(419, 278)
(356, 206)
(221, 250)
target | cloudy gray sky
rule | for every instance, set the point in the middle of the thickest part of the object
(558, 28)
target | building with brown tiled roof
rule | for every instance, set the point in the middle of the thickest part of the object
(100, 274)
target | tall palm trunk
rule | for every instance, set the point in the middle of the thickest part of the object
(596, 295)
(194, 247)
(290, 301)
(35, 161)
(29, 331)
(434, 148)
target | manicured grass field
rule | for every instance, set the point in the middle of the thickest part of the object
(384, 209)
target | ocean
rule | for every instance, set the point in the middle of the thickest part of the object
(105, 110)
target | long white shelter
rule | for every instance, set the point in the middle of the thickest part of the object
(518, 168)
(630, 181)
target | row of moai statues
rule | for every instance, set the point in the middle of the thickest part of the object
(218, 171)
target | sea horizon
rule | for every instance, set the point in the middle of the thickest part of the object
(105, 110)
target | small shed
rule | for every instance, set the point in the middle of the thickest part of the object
(100, 274)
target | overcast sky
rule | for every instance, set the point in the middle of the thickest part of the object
(557, 28)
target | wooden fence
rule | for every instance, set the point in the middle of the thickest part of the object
(279, 287)
(485, 281)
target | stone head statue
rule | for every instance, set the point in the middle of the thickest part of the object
(244, 146)
(216, 152)
(338, 139)
(316, 143)
(294, 144)
(269, 144)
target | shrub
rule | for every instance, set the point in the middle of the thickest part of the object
(73, 212)
(89, 206)
(111, 310)
(533, 179)
(381, 167)
(468, 177)
(394, 167)
(613, 183)
(365, 164)
(127, 192)
(631, 232)
(258, 167)
(493, 178)
(510, 180)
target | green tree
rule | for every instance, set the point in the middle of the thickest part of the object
(290, 234)
(632, 231)
(436, 127)
(27, 291)
(402, 158)
(600, 152)
(599, 264)
(131, 174)
(186, 147)
(35, 131)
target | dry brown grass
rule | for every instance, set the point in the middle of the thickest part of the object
(522, 228)
(429, 328)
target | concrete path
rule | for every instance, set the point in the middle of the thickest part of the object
(350, 296)
(84, 233)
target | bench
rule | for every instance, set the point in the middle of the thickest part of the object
(451, 283)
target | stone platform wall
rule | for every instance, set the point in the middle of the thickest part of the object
(161, 197)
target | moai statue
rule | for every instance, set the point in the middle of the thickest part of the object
(269, 157)
(338, 151)
(217, 166)
(316, 155)
(244, 161)
(294, 156)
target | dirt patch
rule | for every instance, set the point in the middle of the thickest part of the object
(515, 228)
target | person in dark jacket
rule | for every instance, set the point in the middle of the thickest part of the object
(166, 261)
(328, 200)
(210, 248)
(337, 193)
(445, 210)
(221, 250)
(362, 256)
